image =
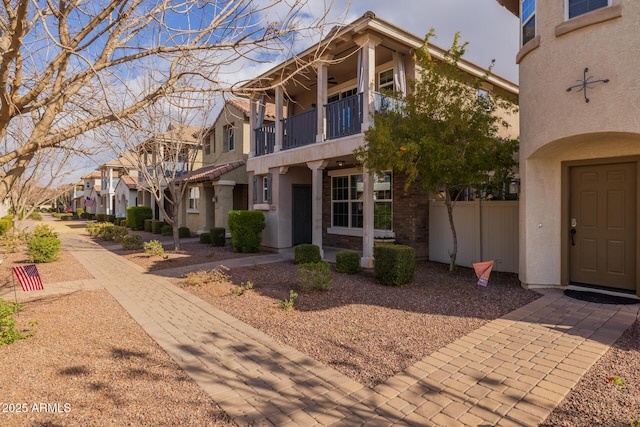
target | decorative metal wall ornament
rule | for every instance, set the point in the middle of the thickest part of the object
(586, 83)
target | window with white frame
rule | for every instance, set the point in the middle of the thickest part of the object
(385, 81)
(580, 7)
(528, 20)
(342, 95)
(266, 188)
(347, 205)
(209, 142)
(194, 198)
(229, 138)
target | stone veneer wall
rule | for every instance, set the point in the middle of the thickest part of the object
(410, 218)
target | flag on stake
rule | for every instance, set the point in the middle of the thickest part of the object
(28, 277)
(483, 270)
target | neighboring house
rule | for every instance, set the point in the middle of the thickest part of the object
(126, 194)
(111, 173)
(161, 165)
(93, 202)
(78, 196)
(89, 182)
(303, 174)
(579, 143)
(221, 184)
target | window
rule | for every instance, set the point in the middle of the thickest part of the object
(528, 20)
(385, 81)
(580, 7)
(194, 198)
(209, 142)
(347, 205)
(229, 138)
(342, 95)
(266, 190)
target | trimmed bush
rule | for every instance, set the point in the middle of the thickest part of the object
(43, 249)
(111, 218)
(348, 261)
(184, 232)
(394, 264)
(306, 253)
(147, 225)
(315, 276)
(132, 242)
(205, 238)
(218, 236)
(246, 230)
(101, 217)
(5, 226)
(156, 226)
(166, 230)
(136, 216)
(153, 248)
(35, 216)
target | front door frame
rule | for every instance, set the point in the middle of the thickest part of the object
(564, 222)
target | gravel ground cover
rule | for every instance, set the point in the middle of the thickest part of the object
(89, 353)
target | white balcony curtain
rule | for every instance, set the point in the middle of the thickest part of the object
(261, 111)
(399, 74)
(361, 76)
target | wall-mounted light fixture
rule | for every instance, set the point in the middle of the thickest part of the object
(214, 199)
(340, 163)
(514, 186)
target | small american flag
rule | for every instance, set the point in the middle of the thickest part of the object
(28, 277)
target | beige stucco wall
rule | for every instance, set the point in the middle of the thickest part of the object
(558, 126)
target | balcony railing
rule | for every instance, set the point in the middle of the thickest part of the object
(300, 130)
(384, 103)
(265, 139)
(344, 117)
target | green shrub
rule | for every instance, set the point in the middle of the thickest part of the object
(11, 243)
(119, 232)
(43, 249)
(8, 332)
(156, 226)
(136, 216)
(122, 222)
(5, 226)
(166, 230)
(394, 264)
(107, 231)
(110, 218)
(91, 216)
(287, 304)
(246, 230)
(348, 262)
(36, 216)
(315, 276)
(184, 232)
(44, 230)
(306, 253)
(132, 242)
(218, 236)
(80, 212)
(205, 238)
(101, 217)
(153, 248)
(147, 225)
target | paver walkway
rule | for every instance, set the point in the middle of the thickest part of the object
(511, 372)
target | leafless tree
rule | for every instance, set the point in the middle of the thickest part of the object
(73, 66)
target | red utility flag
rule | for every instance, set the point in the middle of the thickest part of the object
(28, 277)
(483, 270)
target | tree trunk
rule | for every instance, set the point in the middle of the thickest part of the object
(449, 204)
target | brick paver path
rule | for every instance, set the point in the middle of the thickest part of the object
(511, 372)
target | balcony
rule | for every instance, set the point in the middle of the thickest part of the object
(265, 139)
(384, 103)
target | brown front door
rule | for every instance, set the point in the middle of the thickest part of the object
(602, 215)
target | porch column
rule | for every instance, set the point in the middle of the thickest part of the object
(316, 201)
(367, 220)
(321, 101)
(278, 125)
(110, 193)
(223, 190)
(367, 76)
(252, 127)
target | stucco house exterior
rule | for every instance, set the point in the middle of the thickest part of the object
(126, 194)
(579, 142)
(302, 171)
(221, 184)
(111, 174)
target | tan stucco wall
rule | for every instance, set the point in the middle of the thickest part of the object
(558, 126)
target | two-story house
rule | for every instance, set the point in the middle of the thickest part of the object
(221, 184)
(163, 158)
(91, 193)
(579, 143)
(303, 173)
(111, 173)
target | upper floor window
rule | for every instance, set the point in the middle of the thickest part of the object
(341, 95)
(229, 138)
(385, 80)
(580, 7)
(210, 141)
(528, 20)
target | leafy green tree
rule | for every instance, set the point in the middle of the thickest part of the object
(444, 134)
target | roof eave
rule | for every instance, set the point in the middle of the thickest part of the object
(511, 5)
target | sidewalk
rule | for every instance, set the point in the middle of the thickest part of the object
(511, 372)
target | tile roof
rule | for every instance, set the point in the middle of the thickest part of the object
(243, 105)
(210, 173)
(130, 182)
